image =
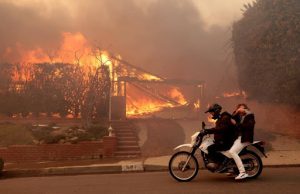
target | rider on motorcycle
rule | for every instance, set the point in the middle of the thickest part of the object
(245, 124)
(224, 133)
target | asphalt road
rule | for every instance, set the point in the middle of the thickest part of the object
(273, 180)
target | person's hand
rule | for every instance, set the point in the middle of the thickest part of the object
(241, 110)
(233, 121)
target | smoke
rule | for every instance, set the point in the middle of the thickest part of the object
(27, 25)
(187, 39)
(171, 38)
(168, 37)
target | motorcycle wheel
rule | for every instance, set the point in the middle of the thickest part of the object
(183, 166)
(252, 163)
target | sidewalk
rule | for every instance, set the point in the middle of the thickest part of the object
(110, 165)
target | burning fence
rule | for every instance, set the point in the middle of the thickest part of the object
(78, 80)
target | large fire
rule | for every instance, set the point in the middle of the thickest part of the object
(144, 103)
(75, 49)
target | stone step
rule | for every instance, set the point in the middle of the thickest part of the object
(127, 138)
(125, 134)
(124, 131)
(121, 124)
(127, 143)
(123, 128)
(128, 148)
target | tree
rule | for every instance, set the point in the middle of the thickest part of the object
(8, 95)
(97, 95)
(55, 88)
(266, 46)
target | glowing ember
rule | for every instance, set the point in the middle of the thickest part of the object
(197, 104)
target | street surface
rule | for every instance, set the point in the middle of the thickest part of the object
(272, 180)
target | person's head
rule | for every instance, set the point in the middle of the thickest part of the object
(214, 110)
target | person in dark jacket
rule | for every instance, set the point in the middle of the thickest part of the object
(245, 131)
(224, 132)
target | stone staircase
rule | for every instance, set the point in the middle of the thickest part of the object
(127, 141)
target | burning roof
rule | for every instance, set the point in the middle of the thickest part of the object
(146, 92)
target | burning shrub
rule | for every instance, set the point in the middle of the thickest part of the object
(53, 88)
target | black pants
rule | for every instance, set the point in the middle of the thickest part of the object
(213, 152)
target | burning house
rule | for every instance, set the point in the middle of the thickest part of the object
(133, 91)
(136, 92)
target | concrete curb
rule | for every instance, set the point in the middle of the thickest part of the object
(99, 169)
(73, 170)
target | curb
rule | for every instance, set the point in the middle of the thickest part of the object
(100, 169)
(73, 170)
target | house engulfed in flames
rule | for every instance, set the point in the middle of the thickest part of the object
(134, 91)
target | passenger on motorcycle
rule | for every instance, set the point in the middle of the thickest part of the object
(224, 133)
(245, 130)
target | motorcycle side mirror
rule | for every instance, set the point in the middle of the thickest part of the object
(203, 125)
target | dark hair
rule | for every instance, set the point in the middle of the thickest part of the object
(214, 108)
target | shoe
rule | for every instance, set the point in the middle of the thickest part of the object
(241, 176)
(229, 174)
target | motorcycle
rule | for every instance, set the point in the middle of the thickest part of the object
(183, 165)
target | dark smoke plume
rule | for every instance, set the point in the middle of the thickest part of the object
(168, 37)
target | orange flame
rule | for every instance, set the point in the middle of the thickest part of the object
(139, 103)
(197, 104)
(177, 96)
(75, 49)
